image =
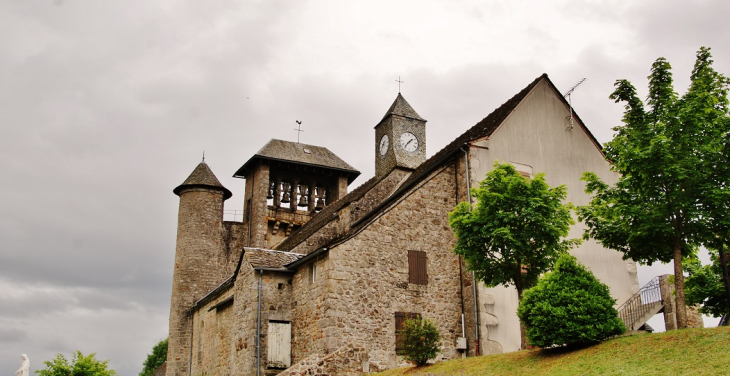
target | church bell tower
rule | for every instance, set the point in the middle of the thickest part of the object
(400, 138)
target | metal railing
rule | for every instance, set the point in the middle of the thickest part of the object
(233, 215)
(640, 303)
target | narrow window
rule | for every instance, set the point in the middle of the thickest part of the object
(417, 267)
(313, 273)
(400, 318)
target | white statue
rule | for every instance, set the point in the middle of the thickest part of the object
(24, 369)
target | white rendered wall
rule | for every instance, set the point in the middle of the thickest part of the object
(537, 134)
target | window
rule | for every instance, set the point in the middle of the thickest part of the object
(313, 272)
(417, 268)
(400, 318)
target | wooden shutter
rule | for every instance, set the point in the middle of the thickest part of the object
(279, 345)
(400, 318)
(417, 272)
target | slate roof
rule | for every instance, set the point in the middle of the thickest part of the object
(202, 176)
(401, 107)
(270, 259)
(279, 150)
(483, 129)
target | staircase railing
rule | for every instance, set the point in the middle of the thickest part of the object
(640, 303)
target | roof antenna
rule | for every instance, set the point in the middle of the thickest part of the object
(298, 129)
(570, 105)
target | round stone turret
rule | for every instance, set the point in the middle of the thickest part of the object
(200, 257)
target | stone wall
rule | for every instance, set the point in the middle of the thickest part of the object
(350, 360)
(211, 342)
(367, 279)
(276, 304)
(310, 308)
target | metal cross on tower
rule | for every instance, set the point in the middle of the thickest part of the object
(298, 129)
(399, 82)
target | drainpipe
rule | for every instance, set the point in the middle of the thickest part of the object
(461, 273)
(250, 210)
(258, 330)
(473, 276)
(190, 359)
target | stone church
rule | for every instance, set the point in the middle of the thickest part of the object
(316, 279)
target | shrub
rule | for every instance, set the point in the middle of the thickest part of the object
(569, 307)
(80, 365)
(420, 340)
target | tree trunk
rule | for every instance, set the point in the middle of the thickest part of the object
(725, 277)
(523, 329)
(681, 306)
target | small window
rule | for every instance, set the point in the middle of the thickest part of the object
(417, 267)
(313, 272)
(400, 318)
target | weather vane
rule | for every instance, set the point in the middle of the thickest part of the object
(399, 82)
(298, 129)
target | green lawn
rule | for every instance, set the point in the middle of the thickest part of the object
(684, 352)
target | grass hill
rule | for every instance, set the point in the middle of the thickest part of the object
(683, 352)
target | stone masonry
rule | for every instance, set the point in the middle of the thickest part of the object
(366, 280)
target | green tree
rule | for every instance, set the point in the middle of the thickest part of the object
(708, 102)
(664, 153)
(420, 340)
(704, 286)
(569, 306)
(515, 231)
(155, 359)
(80, 365)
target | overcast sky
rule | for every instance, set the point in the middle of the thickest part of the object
(106, 106)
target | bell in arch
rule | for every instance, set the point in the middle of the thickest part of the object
(285, 198)
(320, 199)
(272, 189)
(303, 196)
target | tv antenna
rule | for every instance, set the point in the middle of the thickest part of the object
(570, 104)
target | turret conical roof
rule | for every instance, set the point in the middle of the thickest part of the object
(401, 107)
(202, 176)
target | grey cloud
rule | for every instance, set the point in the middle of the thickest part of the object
(12, 335)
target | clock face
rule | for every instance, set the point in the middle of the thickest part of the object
(384, 143)
(408, 141)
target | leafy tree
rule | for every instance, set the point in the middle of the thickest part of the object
(420, 340)
(704, 286)
(569, 306)
(155, 359)
(708, 99)
(664, 153)
(80, 365)
(515, 231)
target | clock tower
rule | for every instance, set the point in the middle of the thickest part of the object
(400, 138)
